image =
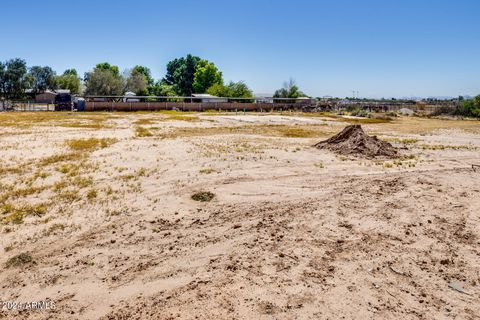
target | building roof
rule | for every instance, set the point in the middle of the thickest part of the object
(55, 92)
(263, 95)
(47, 92)
(203, 95)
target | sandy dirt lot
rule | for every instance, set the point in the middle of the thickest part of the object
(97, 216)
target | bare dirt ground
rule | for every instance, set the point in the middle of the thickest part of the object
(96, 215)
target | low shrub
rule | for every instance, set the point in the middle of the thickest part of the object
(361, 113)
(19, 260)
(203, 196)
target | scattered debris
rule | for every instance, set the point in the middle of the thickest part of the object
(458, 287)
(203, 196)
(398, 272)
(354, 141)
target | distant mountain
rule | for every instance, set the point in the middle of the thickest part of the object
(442, 97)
(412, 98)
(435, 97)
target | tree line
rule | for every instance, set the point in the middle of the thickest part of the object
(185, 76)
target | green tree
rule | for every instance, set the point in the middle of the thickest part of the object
(207, 75)
(136, 82)
(289, 90)
(239, 90)
(162, 89)
(465, 108)
(146, 73)
(232, 90)
(108, 67)
(181, 74)
(470, 107)
(219, 90)
(13, 79)
(69, 80)
(42, 79)
(104, 80)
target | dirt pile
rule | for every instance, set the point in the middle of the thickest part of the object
(354, 141)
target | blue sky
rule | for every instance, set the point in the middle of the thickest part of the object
(330, 47)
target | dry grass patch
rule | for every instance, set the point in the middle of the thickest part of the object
(416, 125)
(89, 144)
(142, 132)
(69, 195)
(82, 182)
(208, 171)
(92, 194)
(63, 157)
(237, 146)
(54, 119)
(28, 119)
(16, 193)
(144, 122)
(304, 131)
(181, 117)
(404, 141)
(69, 169)
(16, 214)
(87, 121)
(446, 147)
(11, 169)
(297, 132)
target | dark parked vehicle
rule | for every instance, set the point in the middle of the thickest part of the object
(63, 101)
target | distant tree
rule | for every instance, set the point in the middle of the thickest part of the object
(181, 74)
(461, 98)
(13, 79)
(206, 75)
(232, 90)
(69, 80)
(219, 90)
(107, 66)
(70, 72)
(42, 79)
(289, 90)
(136, 82)
(240, 90)
(104, 80)
(162, 89)
(469, 107)
(146, 72)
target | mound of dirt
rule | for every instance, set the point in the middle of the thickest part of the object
(354, 141)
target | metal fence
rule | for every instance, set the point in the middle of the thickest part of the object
(136, 103)
(184, 106)
(30, 106)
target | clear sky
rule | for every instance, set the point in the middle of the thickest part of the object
(381, 48)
